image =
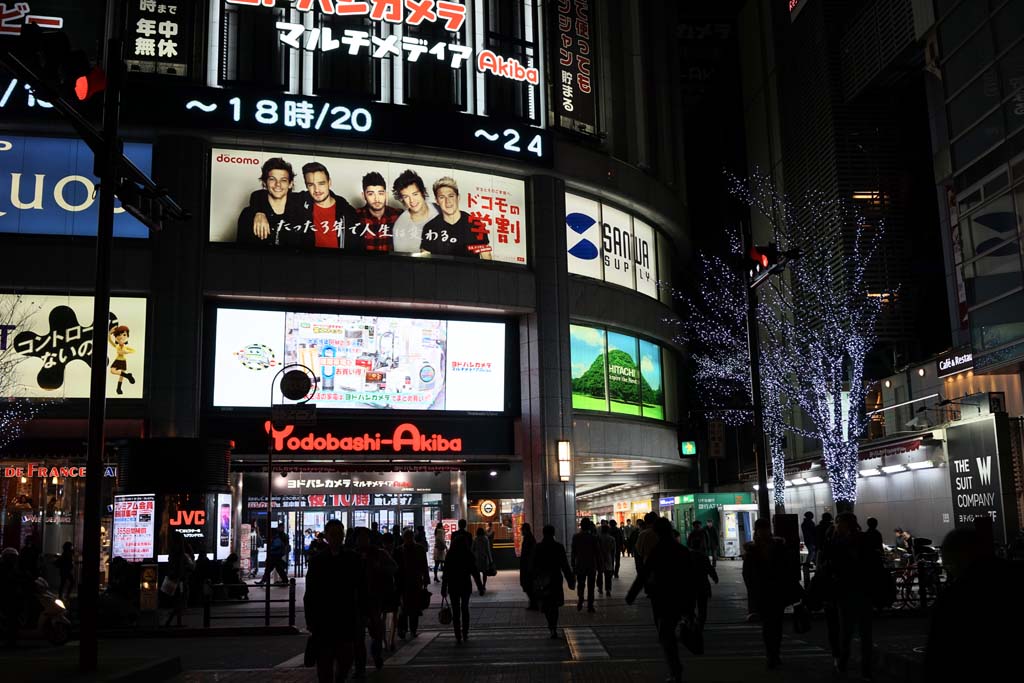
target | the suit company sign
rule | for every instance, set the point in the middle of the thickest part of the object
(974, 475)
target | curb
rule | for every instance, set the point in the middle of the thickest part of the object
(157, 671)
(202, 632)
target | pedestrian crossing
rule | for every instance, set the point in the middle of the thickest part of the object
(584, 644)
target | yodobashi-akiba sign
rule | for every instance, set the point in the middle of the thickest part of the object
(954, 362)
(451, 16)
(608, 244)
(407, 438)
(47, 186)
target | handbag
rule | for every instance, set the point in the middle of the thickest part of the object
(801, 618)
(491, 570)
(168, 586)
(309, 657)
(691, 636)
(444, 615)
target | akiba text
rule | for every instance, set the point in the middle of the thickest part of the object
(406, 436)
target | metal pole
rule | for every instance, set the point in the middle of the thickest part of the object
(754, 345)
(106, 167)
(270, 505)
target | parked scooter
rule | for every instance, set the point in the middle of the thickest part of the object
(50, 616)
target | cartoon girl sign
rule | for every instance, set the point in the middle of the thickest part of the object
(119, 340)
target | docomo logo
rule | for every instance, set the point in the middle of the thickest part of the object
(228, 159)
(487, 61)
(405, 435)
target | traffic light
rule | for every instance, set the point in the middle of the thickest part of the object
(687, 449)
(764, 257)
(64, 71)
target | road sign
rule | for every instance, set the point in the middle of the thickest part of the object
(301, 415)
(716, 439)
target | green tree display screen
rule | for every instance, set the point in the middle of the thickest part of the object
(614, 372)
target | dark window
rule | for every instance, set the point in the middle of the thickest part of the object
(433, 82)
(511, 30)
(968, 60)
(1008, 23)
(251, 50)
(972, 102)
(958, 25)
(998, 323)
(978, 140)
(338, 72)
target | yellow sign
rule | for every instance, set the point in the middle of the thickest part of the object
(488, 508)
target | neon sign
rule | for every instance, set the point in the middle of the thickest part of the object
(411, 48)
(406, 436)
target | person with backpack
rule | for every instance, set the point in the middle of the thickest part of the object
(460, 567)
(549, 566)
(668, 577)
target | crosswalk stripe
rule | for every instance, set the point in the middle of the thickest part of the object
(406, 653)
(584, 644)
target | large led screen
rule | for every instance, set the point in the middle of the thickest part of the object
(614, 372)
(46, 346)
(291, 200)
(361, 362)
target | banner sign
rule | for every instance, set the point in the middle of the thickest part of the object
(974, 475)
(953, 362)
(607, 244)
(133, 527)
(47, 186)
(363, 362)
(301, 201)
(50, 338)
(159, 36)
(573, 66)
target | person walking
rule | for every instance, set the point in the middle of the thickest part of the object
(439, 549)
(711, 542)
(609, 551)
(873, 537)
(696, 540)
(482, 553)
(379, 578)
(851, 565)
(549, 566)
(766, 576)
(460, 567)
(823, 532)
(421, 537)
(66, 567)
(461, 531)
(526, 553)
(810, 537)
(180, 566)
(705, 573)
(413, 579)
(586, 559)
(335, 588)
(631, 540)
(627, 538)
(670, 581)
(620, 545)
(648, 538)
(276, 558)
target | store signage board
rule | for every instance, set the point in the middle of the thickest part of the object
(974, 473)
(572, 64)
(44, 471)
(133, 527)
(408, 48)
(407, 437)
(954, 362)
(159, 36)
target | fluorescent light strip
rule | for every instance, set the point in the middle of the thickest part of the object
(873, 472)
(799, 481)
(814, 480)
(892, 469)
(923, 465)
(905, 403)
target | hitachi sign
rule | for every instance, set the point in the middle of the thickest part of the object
(406, 436)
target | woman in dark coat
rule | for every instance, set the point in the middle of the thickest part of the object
(771, 584)
(413, 579)
(549, 566)
(459, 568)
(526, 552)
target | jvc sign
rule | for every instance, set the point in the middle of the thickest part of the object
(974, 474)
(47, 187)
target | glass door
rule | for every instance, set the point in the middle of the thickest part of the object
(408, 519)
(386, 518)
(361, 518)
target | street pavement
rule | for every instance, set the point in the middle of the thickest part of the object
(510, 644)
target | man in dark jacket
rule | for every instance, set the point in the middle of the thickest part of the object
(549, 566)
(335, 585)
(528, 548)
(586, 558)
(810, 533)
(620, 545)
(823, 532)
(671, 583)
(459, 568)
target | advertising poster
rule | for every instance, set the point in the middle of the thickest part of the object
(223, 526)
(587, 354)
(47, 186)
(623, 374)
(974, 475)
(653, 394)
(276, 199)
(572, 65)
(185, 516)
(48, 341)
(362, 362)
(583, 236)
(133, 527)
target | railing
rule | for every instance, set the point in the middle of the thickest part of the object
(210, 600)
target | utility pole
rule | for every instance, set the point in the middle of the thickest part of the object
(106, 167)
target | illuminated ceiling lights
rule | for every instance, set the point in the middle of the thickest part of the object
(892, 469)
(814, 480)
(871, 472)
(922, 465)
(799, 481)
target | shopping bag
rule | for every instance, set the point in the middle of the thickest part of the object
(169, 586)
(691, 636)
